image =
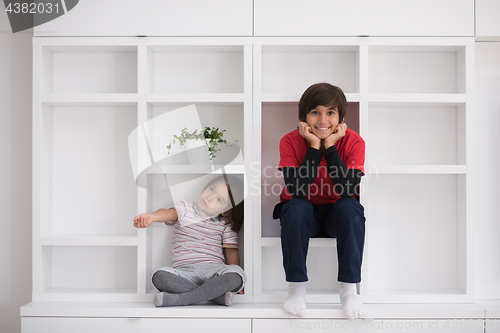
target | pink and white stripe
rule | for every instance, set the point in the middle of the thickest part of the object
(199, 239)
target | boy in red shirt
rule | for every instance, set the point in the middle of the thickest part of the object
(322, 164)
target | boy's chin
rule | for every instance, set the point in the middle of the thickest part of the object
(323, 136)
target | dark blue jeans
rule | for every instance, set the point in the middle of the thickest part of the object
(301, 220)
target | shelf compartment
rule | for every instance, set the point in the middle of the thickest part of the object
(416, 135)
(228, 116)
(158, 238)
(89, 69)
(321, 269)
(286, 115)
(417, 69)
(420, 220)
(308, 64)
(81, 269)
(195, 69)
(87, 182)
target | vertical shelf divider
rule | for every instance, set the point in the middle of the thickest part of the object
(248, 136)
(257, 161)
(142, 110)
(362, 58)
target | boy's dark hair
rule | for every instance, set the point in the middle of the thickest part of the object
(235, 212)
(322, 94)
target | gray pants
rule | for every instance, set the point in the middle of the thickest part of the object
(201, 273)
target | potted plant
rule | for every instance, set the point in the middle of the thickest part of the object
(211, 137)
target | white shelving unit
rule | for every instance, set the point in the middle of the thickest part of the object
(409, 98)
(89, 95)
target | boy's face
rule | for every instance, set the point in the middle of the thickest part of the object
(323, 121)
(214, 199)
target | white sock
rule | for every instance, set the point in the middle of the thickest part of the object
(295, 303)
(158, 299)
(352, 305)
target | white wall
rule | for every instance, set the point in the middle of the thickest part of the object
(487, 160)
(15, 173)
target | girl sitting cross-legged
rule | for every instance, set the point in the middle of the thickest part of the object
(205, 234)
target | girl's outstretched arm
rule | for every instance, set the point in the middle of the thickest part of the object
(161, 215)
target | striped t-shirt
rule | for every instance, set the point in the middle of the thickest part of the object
(199, 239)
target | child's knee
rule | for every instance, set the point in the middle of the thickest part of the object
(237, 275)
(350, 206)
(296, 209)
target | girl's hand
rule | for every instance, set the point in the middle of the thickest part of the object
(338, 133)
(143, 220)
(306, 132)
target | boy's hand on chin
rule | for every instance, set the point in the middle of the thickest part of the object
(306, 132)
(338, 133)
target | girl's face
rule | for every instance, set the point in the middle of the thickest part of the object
(214, 199)
(323, 121)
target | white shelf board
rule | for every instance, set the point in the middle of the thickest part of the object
(422, 44)
(212, 43)
(57, 295)
(416, 296)
(295, 97)
(344, 43)
(491, 306)
(426, 44)
(89, 99)
(419, 99)
(89, 291)
(196, 169)
(247, 310)
(424, 311)
(88, 240)
(313, 242)
(494, 39)
(374, 170)
(330, 297)
(101, 42)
